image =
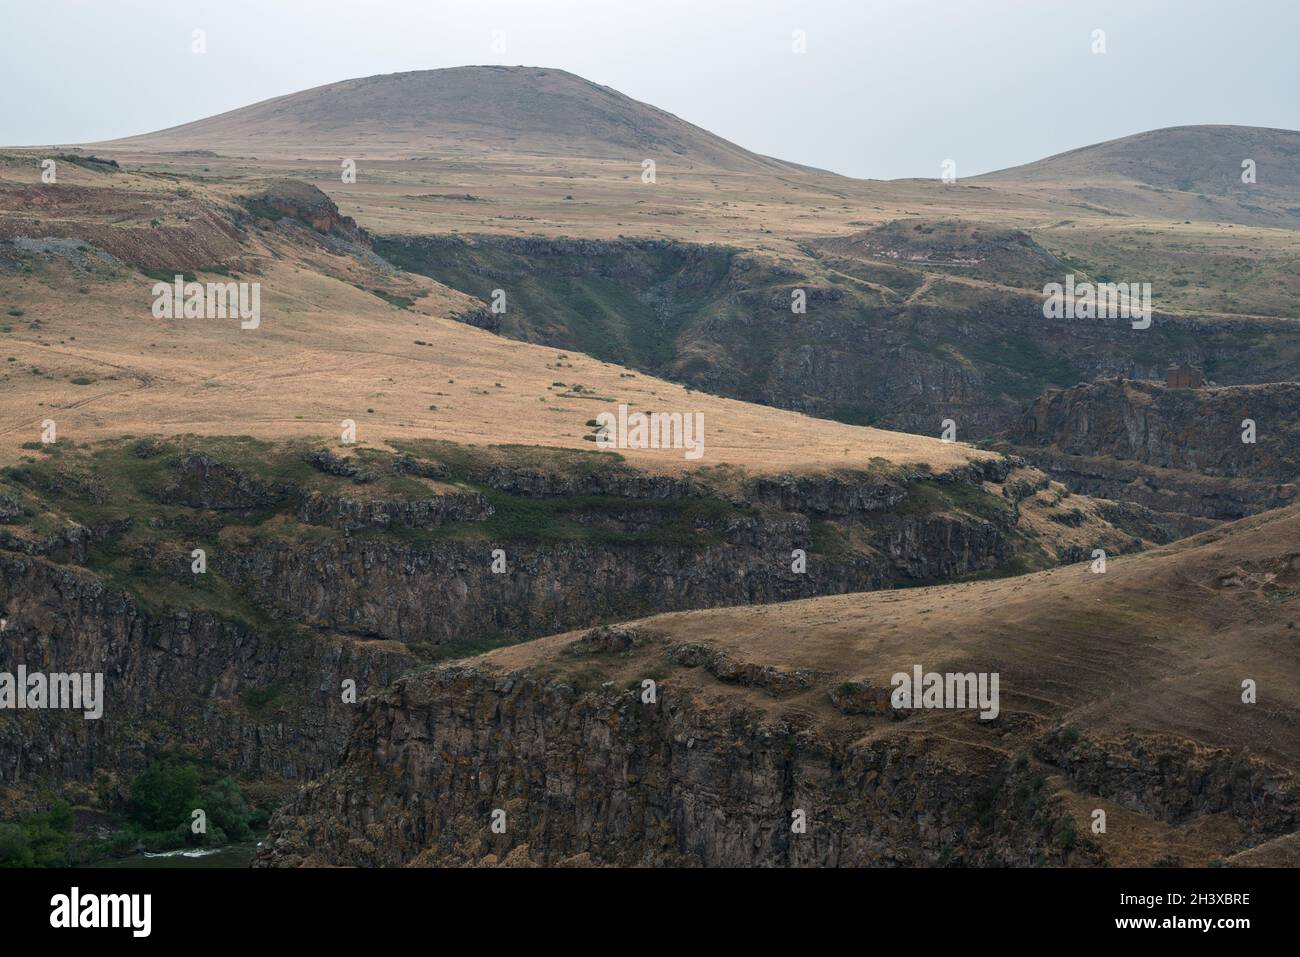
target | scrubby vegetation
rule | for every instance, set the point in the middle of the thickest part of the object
(159, 815)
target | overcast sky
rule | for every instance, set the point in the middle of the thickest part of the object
(886, 88)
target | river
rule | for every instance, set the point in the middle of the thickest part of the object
(229, 855)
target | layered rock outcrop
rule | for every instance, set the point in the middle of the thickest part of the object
(305, 203)
(1172, 450)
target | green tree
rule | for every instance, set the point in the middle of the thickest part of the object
(163, 796)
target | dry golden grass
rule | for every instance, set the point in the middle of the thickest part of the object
(327, 351)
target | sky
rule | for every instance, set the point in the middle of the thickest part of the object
(882, 89)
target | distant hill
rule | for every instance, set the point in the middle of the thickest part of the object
(465, 110)
(1182, 172)
(1188, 158)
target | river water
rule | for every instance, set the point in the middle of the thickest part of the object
(231, 855)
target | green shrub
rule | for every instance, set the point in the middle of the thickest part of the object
(39, 840)
(227, 813)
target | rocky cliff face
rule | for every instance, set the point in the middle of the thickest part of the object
(718, 777)
(266, 703)
(1176, 450)
(602, 778)
(1196, 430)
(1175, 780)
(1176, 496)
(638, 552)
(439, 592)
